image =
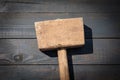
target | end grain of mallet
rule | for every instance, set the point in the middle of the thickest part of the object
(60, 34)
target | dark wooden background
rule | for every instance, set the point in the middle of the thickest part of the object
(20, 58)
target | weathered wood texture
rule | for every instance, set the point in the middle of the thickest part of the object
(87, 1)
(50, 72)
(101, 18)
(59, 6)
(21, 25)
(25, 51)
(63, 64)
(60, 33)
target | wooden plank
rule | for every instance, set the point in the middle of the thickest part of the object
(38, 1)
(29, 72)
(59, 6)
(25, 51)
(50, 72)
(21, 25)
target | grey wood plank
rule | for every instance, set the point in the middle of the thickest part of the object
(21, 25)
(38, 1)
(59, 6)
(50, 72)
(29, 72)
(25, 51)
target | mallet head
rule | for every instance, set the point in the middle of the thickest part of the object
(60, 33)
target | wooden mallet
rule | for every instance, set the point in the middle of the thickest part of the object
(60, 34)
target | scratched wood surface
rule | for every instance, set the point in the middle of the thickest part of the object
(21, 25)
(50, 72)
(59, 6)
(25, 51)
(20, 58)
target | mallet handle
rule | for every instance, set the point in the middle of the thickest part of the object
(63, 64)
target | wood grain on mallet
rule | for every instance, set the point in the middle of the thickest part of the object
(60, 33)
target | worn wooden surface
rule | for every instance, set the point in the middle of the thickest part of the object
(98, 60)
(25, 51)
(21, 25)
(50, 72)
(60, 33)
(59, 6)
(63, 64)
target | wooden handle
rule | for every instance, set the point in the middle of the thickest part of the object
(63, 64)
